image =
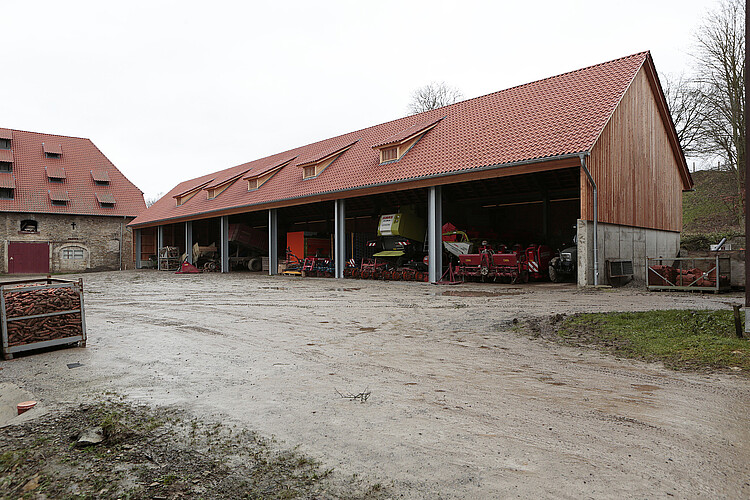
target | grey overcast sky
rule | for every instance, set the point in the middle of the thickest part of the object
(170, 90)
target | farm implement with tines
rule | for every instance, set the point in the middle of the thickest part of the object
(380, 269)
(321, 267)
(506, 265)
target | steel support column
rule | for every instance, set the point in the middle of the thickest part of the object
(189, 241)
(138, 246)
(273, 242)
(545, 216)
(159, 244)
(339, 238)
(224, 223)
(435, 233)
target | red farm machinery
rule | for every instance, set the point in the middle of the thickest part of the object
(506, 265)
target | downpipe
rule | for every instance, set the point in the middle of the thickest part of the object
(596, 219)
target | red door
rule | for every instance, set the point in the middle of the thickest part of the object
(28, 258)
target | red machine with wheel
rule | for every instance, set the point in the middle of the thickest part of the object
(537, 261)
(510, 266)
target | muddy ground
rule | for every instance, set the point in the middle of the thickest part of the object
(462, 403)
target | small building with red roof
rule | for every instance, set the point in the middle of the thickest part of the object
(63, 205)
(592, 153)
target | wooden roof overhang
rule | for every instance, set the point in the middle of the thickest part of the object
(479, 173)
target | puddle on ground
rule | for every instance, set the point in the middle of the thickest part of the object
(343, 289)
(272, 288)
(367, 329)
(645, 387)
(479, 293)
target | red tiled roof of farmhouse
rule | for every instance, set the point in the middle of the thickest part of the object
(560, 115)
(75, 172)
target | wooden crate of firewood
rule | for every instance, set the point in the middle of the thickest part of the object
(40, 313)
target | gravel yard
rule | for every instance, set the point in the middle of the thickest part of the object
(462, 401)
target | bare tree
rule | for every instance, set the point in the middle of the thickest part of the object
(433, 95)
(688, 109)
(720, 56)
(153, 199)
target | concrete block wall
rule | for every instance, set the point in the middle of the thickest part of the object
(618, 242)
(99, 236)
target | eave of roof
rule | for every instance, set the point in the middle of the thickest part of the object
(536, 123)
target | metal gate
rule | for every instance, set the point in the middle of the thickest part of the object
(28, 258)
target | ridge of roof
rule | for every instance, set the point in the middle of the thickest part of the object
(45, 133)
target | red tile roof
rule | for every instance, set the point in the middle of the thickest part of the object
(6, 155)
(55, 148)
(6, 133)
(80, 157)
(561, 115)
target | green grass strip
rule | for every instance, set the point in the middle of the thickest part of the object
(681, 339)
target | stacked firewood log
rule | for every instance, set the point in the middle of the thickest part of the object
(43, 301)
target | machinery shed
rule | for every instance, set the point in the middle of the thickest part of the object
(591, 155)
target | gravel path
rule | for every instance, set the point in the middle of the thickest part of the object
(462, 404)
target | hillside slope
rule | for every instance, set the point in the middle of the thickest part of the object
(710, 209)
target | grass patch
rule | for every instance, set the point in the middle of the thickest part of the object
(680, 339)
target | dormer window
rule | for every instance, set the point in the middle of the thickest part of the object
(388, 154)
(58, 197)
(7, 185)
(5, 138)
(313, 167)
(52, 150)
(6, 166)
(184, 196)
(396, 146)
(101, 177)
(56, 174)
(106, 200)
(257, 176)
(222, 185)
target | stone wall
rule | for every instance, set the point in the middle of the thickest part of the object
(617, 242)
(101, 238)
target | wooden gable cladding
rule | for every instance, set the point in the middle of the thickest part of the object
(395, 147)
(256, 180)
(218, 187)
(315, 167)
(639, 174)
(183, 197)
